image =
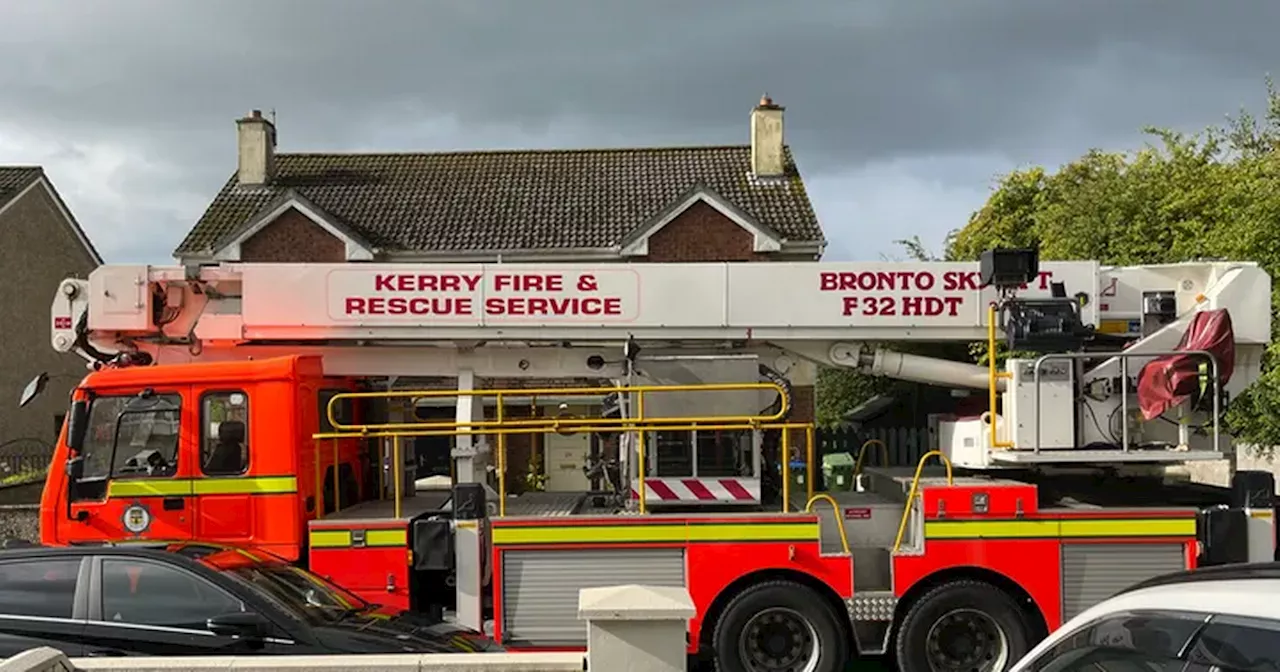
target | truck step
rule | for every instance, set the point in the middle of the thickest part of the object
(872, 605)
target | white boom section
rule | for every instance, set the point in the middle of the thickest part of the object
(548, 320)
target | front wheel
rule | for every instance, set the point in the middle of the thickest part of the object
(779, 627)
(966, 626)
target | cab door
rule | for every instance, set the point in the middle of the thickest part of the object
(138, 453)
(231, 489)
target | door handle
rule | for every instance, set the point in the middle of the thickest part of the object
(174, 503)
(106, 653)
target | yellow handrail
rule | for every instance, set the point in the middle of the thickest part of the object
(862, 454)
(784, 454)
(319, 478)
(835, 509)
(397, 472)
(808, 460)
(992, 376)
(382, 472)
(595, 424)
(642, 457)
(502, 463)
(436, 429)
(337, 491)
(915, 485)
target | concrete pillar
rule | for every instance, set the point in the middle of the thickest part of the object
(636, 628)
(42, 659)
(469, 546)
(467, 449)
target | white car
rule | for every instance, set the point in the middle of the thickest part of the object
(1219, 619)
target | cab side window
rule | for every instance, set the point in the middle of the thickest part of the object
(224, 441)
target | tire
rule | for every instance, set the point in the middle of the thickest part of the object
(985, 613)
(792, 611)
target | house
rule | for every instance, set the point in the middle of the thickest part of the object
(43, 244)
(738, 203)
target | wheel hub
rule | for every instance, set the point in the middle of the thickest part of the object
(966, 640)
(779, 640)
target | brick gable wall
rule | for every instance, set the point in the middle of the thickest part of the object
(293, 238)
(701, 233)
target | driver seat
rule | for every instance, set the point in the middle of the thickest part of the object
(226, 456)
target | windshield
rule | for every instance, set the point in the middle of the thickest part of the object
(305, 595)
(132, 436)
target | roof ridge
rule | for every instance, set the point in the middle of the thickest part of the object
(459, 152)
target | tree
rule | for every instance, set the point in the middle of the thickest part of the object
(1214, 194)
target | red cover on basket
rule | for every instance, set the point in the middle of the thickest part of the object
(1168, 381)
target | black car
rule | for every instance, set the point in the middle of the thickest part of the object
(197, 599)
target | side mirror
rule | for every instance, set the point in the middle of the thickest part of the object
(77, 425)
(33, 389)
(244, 625)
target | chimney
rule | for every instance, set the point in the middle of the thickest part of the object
(257, 149)
(766, 139)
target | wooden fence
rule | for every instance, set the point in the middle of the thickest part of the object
(905, 445)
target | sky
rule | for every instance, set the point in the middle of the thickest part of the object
(902, 113)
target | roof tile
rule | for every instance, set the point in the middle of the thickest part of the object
(13, 179)
(511, 200)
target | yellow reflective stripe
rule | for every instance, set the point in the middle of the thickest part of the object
(754, 532)
(1078, 528)
(386, 538)
(1149, 527)
(330, 538)
(266, 485)
(663, 533)
(183, 487)
(158, 487)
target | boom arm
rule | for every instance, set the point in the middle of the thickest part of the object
(820, 311)
(554, 320)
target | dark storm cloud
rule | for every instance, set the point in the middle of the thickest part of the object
(870, 78)
(867, 82)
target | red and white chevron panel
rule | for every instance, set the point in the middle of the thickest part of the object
(699, 490)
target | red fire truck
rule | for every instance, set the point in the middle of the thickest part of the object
(289, 406)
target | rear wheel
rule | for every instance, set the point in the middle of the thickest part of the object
(965, 626)
(779, 626)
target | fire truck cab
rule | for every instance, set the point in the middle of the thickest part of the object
(281, 405)
(203, 451)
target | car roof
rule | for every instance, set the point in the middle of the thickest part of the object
(77, 551)
(1221, 589)
(1227, 596)
(170, 551)
(1225, 593)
